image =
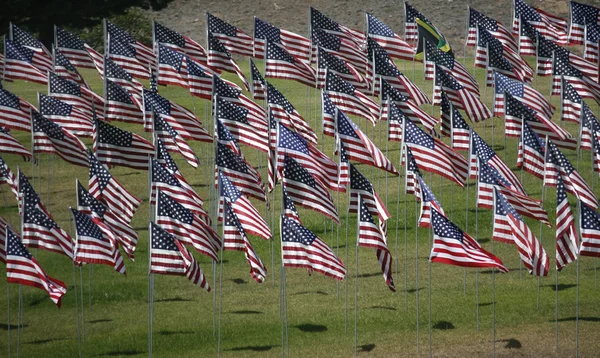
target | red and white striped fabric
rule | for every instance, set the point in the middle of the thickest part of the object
(589, 227)
(531, 97)
(41, 232)
(532, 253)
(296, 45)
(63, 67)
(65, 115)
(14, 111)
(530, 155)
(42, 58)
(496, 28)
(178, 42)
(327, 61)
(173, 141)
(124, 55)
(82, 98)
(234, 39)
(281, 64)
(341, 47)
(283, 111)
(8, 177)
(51, 138)
(143, 53)
(242, 127)
(22, 63)
(220, 59)
(404, 104)
(393, 44)
(73, 48)
(566, 234)
(257, 83)
(117, 147)
(548, 25)
(349, 100)
(246, 178)
(10, 145)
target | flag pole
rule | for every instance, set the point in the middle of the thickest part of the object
(577, 289)
(429, 289)
(541, 235)
(8, 316)
(467, 200)
(214, 200)
(477, 239)
(402, 151)
(219, 184)
(75, 285)
(80, 276)
(417, 267)
(19, 313)
(150, 275)
(494, 299)
(356, 281)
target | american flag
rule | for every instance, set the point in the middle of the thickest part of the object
(256, 113)
(125, 234)
(439, 59)
(589, 227)
(591, 46)
(8, 177)
(281, 64)
(121, 105)
(306, 191)
(499, 31)
(27, 195)
(329, 62)
(23, 269)
(80, 97)
(10, 145)
(527, 38)
(235, 238)
(452, 246)
(172, 69)
(186, 226)
(395, 46)
(257, 83)
(390, 94)
(584, 85)
(497, 63)
(245, 129)
(531, 152)
(249, 217)
(359, 147)
(20, 64)
(15, 111)
(117, 147)
(433, 155)
(480, 150)
(173, 141)
(550, 26)
(289, 209)
(453, 125)
(4, 227)
(500, 53)
(361, 187)
(184, 121)
(516, 112)
(395, 118)
(124, 55)
(296, 45)
(42, 58)
(114, 72)
(66, 115)
(348, 99)
(545, 51)
(566, 234)
(582, 16)
(283, 111)
(596, 154)
(460, 96)
(96, 245)
(108, 190)
(49, 137)
(2, 68)
(168, 256)
(41, 232)
(63, 67)
(524, 93)
(73, 48)
(557, 164)
(514, 230)
(341, 47)
(234, 39)
(178, 42)
(143, 53)
(410, 25)
(427, 199)
(570, 103)
(318, 20)
(590, 127)
(327, 115)
(247, 179)
(220, 59)
(412, 171)
(370, 235)
(303, 249)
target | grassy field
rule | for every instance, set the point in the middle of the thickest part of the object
(455, 303)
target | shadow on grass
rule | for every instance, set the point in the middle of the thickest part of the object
(484, 304)
(322, 293)
(383, 308)
(238, 281)
(561, 286)
(511, 343)
(483, 241)
(366, 347)
(200, 185)
(141, 228)
(443, 325)
(5, 327)
(251, 348)
(37, 300)
(174, 299)
(130, 173)
(413, 290)
(171, 333)
(131, 352)
(43, 341)
(312, 328)
(370, 274)
(246, 312)
(584, 318)
(489, 272)
(104, 320)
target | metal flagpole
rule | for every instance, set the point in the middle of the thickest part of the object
(19, 312)
(467, 202)
(429, 291)
(477, 239)
(541, 232)
(347, 219)
(214, 200)
(577, 291)
(75, 286)
(72, 223)
(417, 268)
(221, 262)
(494, 301)
(356, 282)
(8, 315)
(556, 311)
(150, 274)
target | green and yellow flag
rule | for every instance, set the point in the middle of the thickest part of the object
(428, 32)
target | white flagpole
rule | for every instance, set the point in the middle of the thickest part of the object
(219, 185)
(356, 281)
(477, 239)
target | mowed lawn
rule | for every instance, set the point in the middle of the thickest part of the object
(439, 307)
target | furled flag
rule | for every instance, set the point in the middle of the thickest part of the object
(245, 178)
(23, 269)
(435, 156)
(516, 112)
(8, 177)
(283, 111)
(524, 93)
(411, 33)
(63, 67)
(10, 145)
(257, 83)
(20, 64)
(567, 246)
(589, 227)
(591, 45)
(41, 232)
(49, 137)
(494, 27)
(480, 150)
(96, 244)
(42, 58)
(570, 103)
(584, 85)
(516, 231)
(2, 68)
(452, 246)
(65, 115)
(298, 46)
(454, 125)
(73, 48)
(124, 55)
(386, 38)
(125, 234)
(550, 26)
(460, 96)
(143, 53)
(219, 58)
(557, 164)
(82, 98)
(370, 235)
(361, 187)
(234, 39)
(438, 59)
(121, 105)
(168, 256)
(359, 147)
(249, 217)
(348, 99)
(545, 51)
(327, 61)
(186, 226)
(342, 47)
(15, 111)
(178, 42)
(281, 64)
(390, 94)
(531, 152)
(117, 147)
(317, 20)
(108, 190)
(173, 141)
(427, 199)
(582, 16)
(224, 90)
(306, 191)
(302, 248)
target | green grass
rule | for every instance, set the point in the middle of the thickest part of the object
(116, 307)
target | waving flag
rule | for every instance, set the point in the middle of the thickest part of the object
(319, 21)
(245, 129)
(219, 58)
(122, 105)
(341, 47)
(73, 48)
(234, 39)
(531, 152)
(460, 96)
(65, 115)
(501, 52)
(570, 102)
(521, 92)
(281, 64)
(439, 59)
(41, 232)
(590, 127)
(454, 125)
(389, 94)
(386, 38)
(81, 98)
(428, 201)
(224, 90)
(566, 234)
(173, 141)
(284, 112)
(42, 59)
(582, 15)
(361, 187)
(26, 194)
(10, 145)
(23, 269)
(8, 177)
(550, 26)
(143, 53)
(114, 146)
(63, 67)
(178, 42)
(117, 74)
(589, 226)
(327, 61)
(545, 51)
(296, 45)
(585, 86)
(591, 45)
(20, 64)
(247, 179)
(51, 138)
(499, 31)
(348, 99)
(168, 256)
(4, 227)
(257, 83)
(15, 111)
(124, 55)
